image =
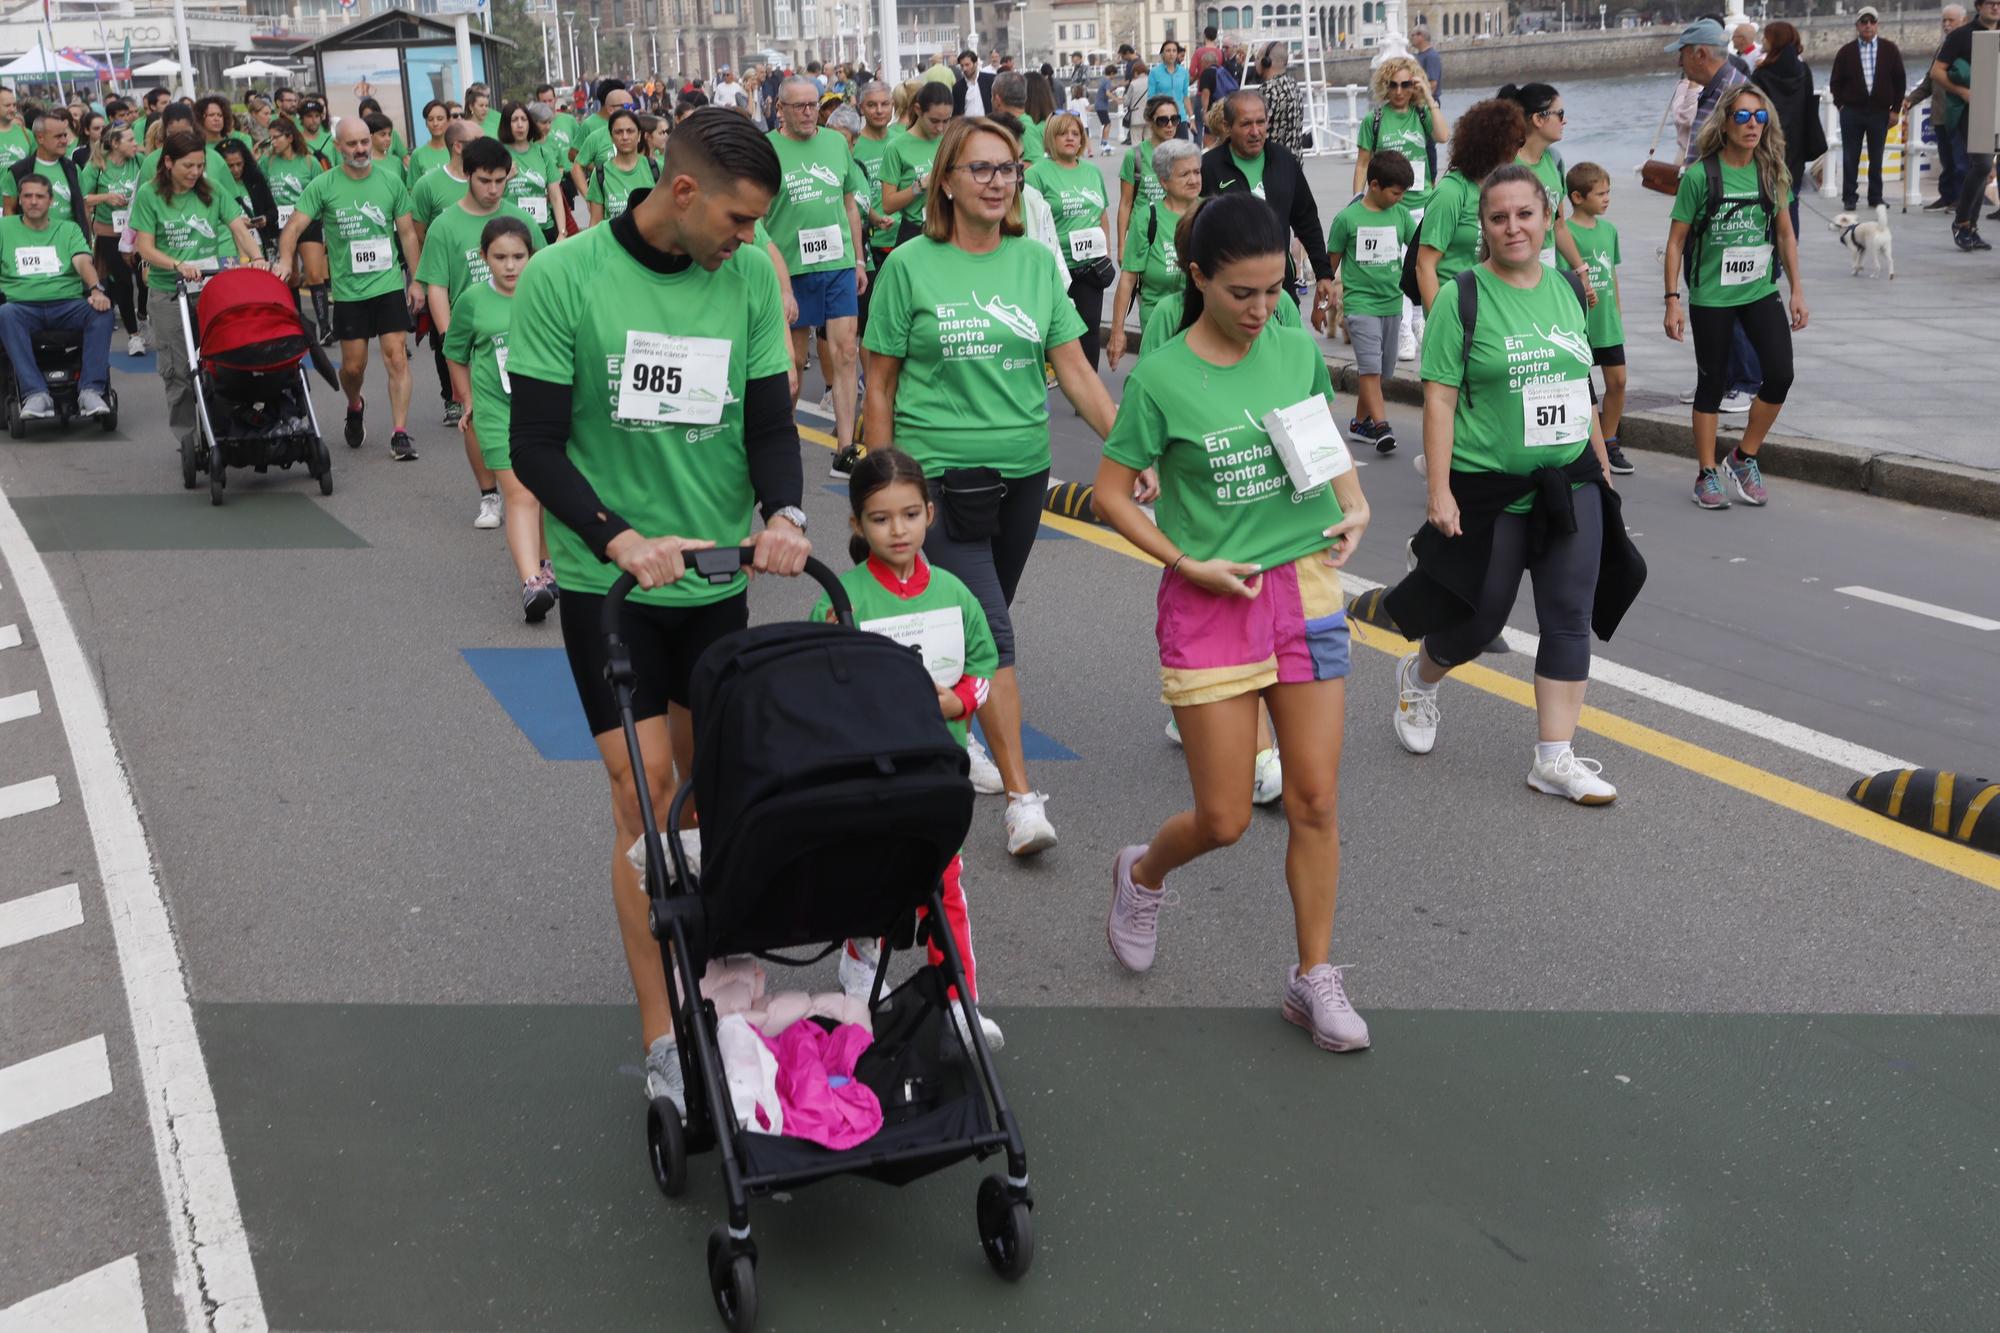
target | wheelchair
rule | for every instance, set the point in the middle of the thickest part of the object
(59, 355)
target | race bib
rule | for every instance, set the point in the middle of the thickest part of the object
(937, 636)
(37, 261)
(667, 378)
(1555, 414)
(368, 256)
(1417, 166)
(1308, 443)
(1376, 245)
(1088, 244)
(821, 245)
(119, 218)
(500, 356)
(535, 206)
(1549, 256)
(285, 212)
(1745, 264)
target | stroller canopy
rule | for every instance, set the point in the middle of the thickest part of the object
(248, 320)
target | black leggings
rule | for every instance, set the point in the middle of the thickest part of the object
(1565, 575)
(992, 569)
(1769, 330)
(117, 275)
(1089, 303)
(444, 371)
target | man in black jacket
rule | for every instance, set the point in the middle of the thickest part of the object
(1868, 87)
(1247, 162)
(52, 162)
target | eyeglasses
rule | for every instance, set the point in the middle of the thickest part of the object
(1743, 117)
(1166, 120)
(982, 173)
(1558, 113)
(799, 106)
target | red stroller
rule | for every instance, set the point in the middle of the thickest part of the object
(254, 404)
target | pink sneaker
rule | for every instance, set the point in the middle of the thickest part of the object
(1133, 928)
(1318, 1003)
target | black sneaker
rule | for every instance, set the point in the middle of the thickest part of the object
(1384, 436)
(452, 412)
(357, 426)
(1973, 240)
(538, 598)
(403, 447)
(1940, 204)
(844, 461)
(1619, 464)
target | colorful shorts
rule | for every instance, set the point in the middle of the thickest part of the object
(1214, 647)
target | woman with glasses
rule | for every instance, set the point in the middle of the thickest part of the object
(1075, 191)
(1406, 119)
(1732, 241)
(962, 319)
(1542, 110)
(1152, 266)
(1138, 184)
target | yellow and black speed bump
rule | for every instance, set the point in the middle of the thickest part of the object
(1952, 806)
(1368, 609)
(1071, 499)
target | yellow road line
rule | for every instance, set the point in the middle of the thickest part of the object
(1835, 812)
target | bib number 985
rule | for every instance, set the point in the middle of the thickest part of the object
(652, 377)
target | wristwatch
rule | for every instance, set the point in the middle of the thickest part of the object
(791, 514)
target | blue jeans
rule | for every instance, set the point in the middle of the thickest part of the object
(1951, 160)
(20, 321)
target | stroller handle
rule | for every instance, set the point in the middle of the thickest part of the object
(719, 565)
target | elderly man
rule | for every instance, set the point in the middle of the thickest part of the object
(1427, 57)
(45, 273)
(1743, 44)
(1867, 86)
(52, 162)
(1951, 145)
(1703, 53)
(1954, 62)
(1247, 161)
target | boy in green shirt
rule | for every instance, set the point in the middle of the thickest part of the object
(1589, 187)
(1366, 243)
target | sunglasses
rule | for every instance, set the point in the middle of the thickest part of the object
(1558, 113)
(1166, 120)
(1745, 117)
(1403, 83)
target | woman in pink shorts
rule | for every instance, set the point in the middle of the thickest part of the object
(1250, 605)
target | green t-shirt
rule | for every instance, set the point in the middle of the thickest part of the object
(360, 224)
(451, 257)
(424, 161)
(1406, 132)
(908, 158)
(1165, 321)
(610, 184)
(973, 331)
(434, 194)
(808, 217)
(944, 621)
(1370, 244)
(562, 133)
(216, 168)
(15, 144)
(40, 265)
(595, 147)
(489, 124)
(477, 339)
(1075, 194)
(320, 143)
(112, 178)
(52, 172)
(1451, 225)
(869, 156)
(666, 454)
(394, 166)
(1529, 405)
(288, 178)
(1252, 169)
(184, 229)
(1034, 147)
(1156, 261)
(528, 186)
(1137, 171)
(1223, 489)
(1735, 262)
(1549, 171)
(1598, 247)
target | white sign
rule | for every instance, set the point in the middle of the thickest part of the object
(665, 378)
(1554, 414)
(938, 636)
(1377, 245)
(1743, 265)
(1088, 243)
(371, 256)
(821, 245)
(37, 261)
(1308, 443)
(536, 206)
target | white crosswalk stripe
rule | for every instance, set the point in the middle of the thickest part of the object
(26, 797)
(40, 914)
(49, 1084)
(10, 636)
(28, 703)
(104, 1300)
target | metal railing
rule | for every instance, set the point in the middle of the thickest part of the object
(1333, 118)
(1917, 155)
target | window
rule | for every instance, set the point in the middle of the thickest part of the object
(1170, 35)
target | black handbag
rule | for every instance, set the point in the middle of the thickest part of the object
(969, 499)
(1100, 273)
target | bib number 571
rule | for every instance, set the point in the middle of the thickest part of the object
(1551, 414)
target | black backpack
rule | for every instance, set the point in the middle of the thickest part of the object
(1408, 285)
(1711, 167)
(1430, 141)
(1468, 316)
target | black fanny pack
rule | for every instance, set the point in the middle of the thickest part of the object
(969, 498)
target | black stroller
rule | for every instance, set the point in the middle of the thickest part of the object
(832, 799)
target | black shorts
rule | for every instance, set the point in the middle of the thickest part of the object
(1608, 356)
(665, 642)
(378, 315)
(314, 234)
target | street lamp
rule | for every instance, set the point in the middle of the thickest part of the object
(1600, 16)
(596, 55)
(1021, 16)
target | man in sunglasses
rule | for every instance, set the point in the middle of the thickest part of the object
(1867, 86)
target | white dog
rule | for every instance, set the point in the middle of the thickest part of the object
(1867, 240)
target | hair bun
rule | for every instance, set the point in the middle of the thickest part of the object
(1510, 92)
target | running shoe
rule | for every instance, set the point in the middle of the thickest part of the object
(1968, 239)
(1573, 779)
(1745, 478)
(135, 345)
(1318, 1003)
(1269, 785)
(1174, 730)
(844, 461)
(986, 779)
(1620, 465)
(403, 447)
(1133, 927)
(1940, 204)
(538, 598)
(826, 403)
(549, 577)
(1735, 403)
(38, 407)
(858, 961)
(1688, 397)
(357, 425)
(489, 511)
(995, 1038)
(454, 411)
(1406, 344)
(1708, 490)
(1384, 435)
(663, 1074)
(1028, 827)
(1358, 431)
(1416, 709)
(91, 403)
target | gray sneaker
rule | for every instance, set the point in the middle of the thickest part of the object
(38, 407)
(663, 1074)
(1318, 1003)
(91, 403)
(1133, 928)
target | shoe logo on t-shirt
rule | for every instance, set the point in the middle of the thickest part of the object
(198, 224)
(374, 214)
(1576, 344)
(819, 171)
(1015, 318)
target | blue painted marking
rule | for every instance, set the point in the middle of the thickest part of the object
(535, 687)
(1037, 746)
(145, 363)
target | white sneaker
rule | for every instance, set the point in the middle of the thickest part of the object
(995, 1038)
(1406, 345)
(1174, 730)
(1270, 781)
(1416, 709)
(1688, 397)
(635, 855)
(135, 345)
(1028, 827)
(489, 511)
(986, 779)
(1573, 778)
(663, 1075)
(1736, 403)
(858, 960)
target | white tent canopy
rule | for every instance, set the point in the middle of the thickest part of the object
(41, 61)
(158, 69)
(257, 69)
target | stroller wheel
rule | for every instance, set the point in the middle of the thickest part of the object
(216, 479)
(1006, 1229)
(188, 466)
(732, 1279)
(324, 462)
(666, 1147)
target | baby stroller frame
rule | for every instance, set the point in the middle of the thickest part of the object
(680, 921)
(229, 447)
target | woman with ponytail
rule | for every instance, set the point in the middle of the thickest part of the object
(1250, 605)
